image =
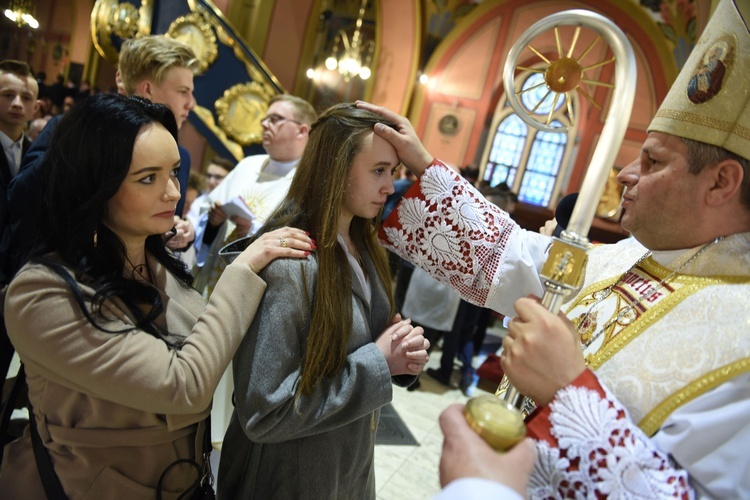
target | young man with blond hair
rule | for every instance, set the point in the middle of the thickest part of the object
(161, 70)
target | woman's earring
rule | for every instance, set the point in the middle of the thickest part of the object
(95, 238)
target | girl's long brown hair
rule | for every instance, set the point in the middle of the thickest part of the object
(314, 204)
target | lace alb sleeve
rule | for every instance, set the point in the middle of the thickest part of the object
(446, 227)
(588, 447)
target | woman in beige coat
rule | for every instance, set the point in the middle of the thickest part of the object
(122, 356)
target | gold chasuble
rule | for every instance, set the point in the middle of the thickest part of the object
(651, 320)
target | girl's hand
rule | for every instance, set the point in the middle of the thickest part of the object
(404, 348)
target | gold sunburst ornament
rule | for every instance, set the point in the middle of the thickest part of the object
(112, 22)
(566, 74)
(195, 30)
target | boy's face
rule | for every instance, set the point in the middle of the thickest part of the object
(175, 91)
(17, 101)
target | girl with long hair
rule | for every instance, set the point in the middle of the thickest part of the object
(121, 354)
(325, 346)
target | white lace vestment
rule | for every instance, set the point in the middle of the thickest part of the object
(444, 226)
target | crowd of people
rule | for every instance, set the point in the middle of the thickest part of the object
(270, 292)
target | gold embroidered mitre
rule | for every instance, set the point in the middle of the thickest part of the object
(710, 100)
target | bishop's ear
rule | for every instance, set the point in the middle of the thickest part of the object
(728, 176)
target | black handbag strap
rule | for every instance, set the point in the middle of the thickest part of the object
(205, 476)
(52, 486)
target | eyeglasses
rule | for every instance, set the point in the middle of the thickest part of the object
(275, 119)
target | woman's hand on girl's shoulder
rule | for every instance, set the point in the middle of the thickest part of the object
(284, 242)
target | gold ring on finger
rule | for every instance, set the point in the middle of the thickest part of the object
(282, 242)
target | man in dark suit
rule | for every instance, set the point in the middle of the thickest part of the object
(18, 93)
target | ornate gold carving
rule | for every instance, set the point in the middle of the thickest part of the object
(195, 30)
(565, 264)
(208, 120)
(240, 110)
(124, 20)
(111, 19)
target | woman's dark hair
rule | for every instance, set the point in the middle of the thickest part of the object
(314, 204)
(88, 159)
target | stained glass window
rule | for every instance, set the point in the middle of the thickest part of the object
(543, 166)
(506, 152)
(539, 92)
(521, 151)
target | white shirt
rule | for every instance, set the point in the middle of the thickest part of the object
(13, 152)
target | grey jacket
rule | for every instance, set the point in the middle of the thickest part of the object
(317, 446)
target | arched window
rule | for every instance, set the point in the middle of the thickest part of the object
(507, 149)
(532, 163)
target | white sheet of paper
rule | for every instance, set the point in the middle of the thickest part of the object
(237, 206)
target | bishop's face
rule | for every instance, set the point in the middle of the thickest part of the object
(662, 199)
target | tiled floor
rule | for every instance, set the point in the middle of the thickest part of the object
(411, 472)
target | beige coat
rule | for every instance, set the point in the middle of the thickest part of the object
(114, 410)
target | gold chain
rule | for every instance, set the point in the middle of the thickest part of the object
(586, 319)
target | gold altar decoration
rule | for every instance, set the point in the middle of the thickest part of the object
(240, 110)
(195, 30)
(123, 20)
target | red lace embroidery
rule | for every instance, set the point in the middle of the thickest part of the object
(589, 448)
(444, 226)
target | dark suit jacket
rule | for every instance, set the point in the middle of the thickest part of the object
(22, 199)
(5, 178)
(6, 350)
